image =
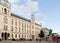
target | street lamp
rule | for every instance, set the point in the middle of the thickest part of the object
(57, 38)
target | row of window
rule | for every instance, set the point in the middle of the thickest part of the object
(24, 25)
(19, 23)
(16, 29)
(16, 35)
(12, 29)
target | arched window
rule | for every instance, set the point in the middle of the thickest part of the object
(5, 19)
(5, 11)
(16, 35)
(19, 36)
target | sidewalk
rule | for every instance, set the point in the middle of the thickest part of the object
(27, 42)
(44, 42)
(47, 42)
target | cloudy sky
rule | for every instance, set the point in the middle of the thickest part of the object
(46, 12)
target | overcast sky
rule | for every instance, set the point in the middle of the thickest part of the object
(46, 12)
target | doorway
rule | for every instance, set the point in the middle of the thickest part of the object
(32, 37)
(5, 36)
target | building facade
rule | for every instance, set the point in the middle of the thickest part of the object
(46, 31)
(13, 26)
(38, 28)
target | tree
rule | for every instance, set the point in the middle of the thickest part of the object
(50, 31)
(41, 34)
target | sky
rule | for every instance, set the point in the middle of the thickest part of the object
(46, 12)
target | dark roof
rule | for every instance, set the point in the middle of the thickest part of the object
(19, 17)
(23, 18)
(38, 24)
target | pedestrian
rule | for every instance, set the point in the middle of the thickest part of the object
(54, 38)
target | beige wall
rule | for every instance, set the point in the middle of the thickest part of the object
(26, 28)
(46, 31)
(38, 28)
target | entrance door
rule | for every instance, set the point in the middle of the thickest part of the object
(2, 35)
(5, 36)
(32, 37)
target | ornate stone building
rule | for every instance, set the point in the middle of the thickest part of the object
(46, 31)
(13, 26)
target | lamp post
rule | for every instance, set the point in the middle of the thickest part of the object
(57, 38)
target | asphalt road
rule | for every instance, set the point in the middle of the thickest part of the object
(26, 42)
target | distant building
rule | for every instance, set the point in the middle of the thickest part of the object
(37, 30)
(46, 31)
(13, 26)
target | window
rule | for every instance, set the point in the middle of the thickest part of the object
(22, 25)
(8, 11)
(19, 23)
(19, 36)
(27, 25)
(2, 8)
(11, 28)
(5, 19)
(16, 35)
(19, 29)
(12, 21)
(22, 29)
(25, 36)
(12, 35)
(27, 31)
(32, 27)
(5, 11)
(15, 29)
(22, 35)
(5, 27)
(32, 31)
(15, 22)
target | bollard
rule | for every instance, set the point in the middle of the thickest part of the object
(57, 38)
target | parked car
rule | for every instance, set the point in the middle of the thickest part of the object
(0, 39)
(13, 39)
(22, 39)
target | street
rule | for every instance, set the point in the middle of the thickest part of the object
(26, 42)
